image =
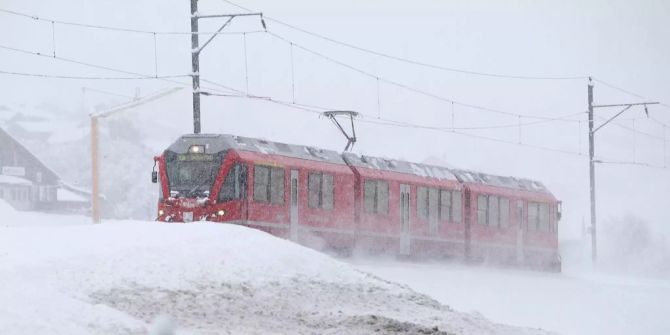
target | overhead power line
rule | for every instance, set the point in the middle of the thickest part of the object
(312, 109)
(411, 61)
(401, 85)
(121, 29)
(56, 76)
(97, 66)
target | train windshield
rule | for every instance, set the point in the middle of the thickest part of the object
(191, 175)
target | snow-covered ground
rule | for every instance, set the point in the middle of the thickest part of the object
(136, 277)
(577, 301)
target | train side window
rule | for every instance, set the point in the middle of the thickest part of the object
(456, 206)
(320, 189)
(370, 195)
(235, 185)
(327, 186)
(314, 190)
(261, 183)
(382, 197)
(376, 196)
(482, 209)
(533, 215)
(277, 185)
(494, 211)
(422, 202)
(445, 205)
(504, 212)
(544, 217)
(268, 184)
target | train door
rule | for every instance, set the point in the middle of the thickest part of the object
(519, 231)
(294, 206)
(405, 238)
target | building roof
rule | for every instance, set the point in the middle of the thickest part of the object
(12, 180)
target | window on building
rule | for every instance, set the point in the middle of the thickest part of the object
(376, 196)
(268, 184)
(235, 185)
(320, 190)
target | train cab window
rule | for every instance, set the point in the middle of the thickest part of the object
(544, 218)
(268, 184)
(235, 185)
(376, 196)
(539, 217)
(320, 190)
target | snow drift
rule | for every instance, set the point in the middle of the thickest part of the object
(127, 277)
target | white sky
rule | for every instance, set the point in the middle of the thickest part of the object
(621, 42)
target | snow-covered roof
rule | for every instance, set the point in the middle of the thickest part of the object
(63, 194)
(12, 180)
(218, 143)
(394, 165)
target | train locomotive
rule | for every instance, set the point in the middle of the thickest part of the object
(348, 203)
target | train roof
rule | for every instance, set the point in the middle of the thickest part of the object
(465, 176)
(443, 173)
(394, 165)
(221, 142)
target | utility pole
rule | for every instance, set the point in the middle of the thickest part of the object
(195, 66)
(592, 161)
(95, 140)
(195, 54)
(592, 176)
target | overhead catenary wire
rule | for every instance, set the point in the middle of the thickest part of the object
(120, 29)
(411, 61)
(91, 65)
(398, 84)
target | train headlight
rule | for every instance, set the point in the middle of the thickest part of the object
(161, 212)
(221, 212)
(196, 149)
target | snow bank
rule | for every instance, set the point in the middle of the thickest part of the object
(9, 217)
(126, 277)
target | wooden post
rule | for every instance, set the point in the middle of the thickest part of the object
(95, 184)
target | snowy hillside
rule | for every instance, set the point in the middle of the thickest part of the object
(132, 277)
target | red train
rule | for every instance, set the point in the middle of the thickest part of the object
(345, 202)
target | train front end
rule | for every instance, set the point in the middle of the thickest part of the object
(193, 185)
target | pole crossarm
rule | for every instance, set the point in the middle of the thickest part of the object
(226, 15)
(135, 103)
(627, 107)
(632, 104)
(212, 37)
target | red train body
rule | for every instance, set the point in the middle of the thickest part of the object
(344, 202)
